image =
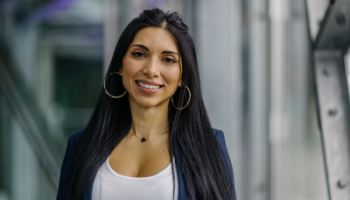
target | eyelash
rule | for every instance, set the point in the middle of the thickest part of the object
(169, 60)
(137, 54)
(140, 54)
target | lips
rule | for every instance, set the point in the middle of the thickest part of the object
(149, 87)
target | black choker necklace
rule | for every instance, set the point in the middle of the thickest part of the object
(143, 139)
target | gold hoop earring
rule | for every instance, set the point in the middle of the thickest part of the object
(189, 92)
(104, 86)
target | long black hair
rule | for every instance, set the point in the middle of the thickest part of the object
(205, 169)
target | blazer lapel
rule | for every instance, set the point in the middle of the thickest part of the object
(88, 193)
(183, 195)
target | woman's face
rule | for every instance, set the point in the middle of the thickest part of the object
(151, 70)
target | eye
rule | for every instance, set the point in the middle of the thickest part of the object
(137, 54)
(169, 60)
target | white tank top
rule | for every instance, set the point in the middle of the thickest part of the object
(109, 185)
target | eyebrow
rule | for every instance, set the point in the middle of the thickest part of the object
(145, 48)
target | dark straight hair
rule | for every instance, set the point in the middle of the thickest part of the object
(205, 170)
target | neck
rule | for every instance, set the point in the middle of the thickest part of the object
(149, 120)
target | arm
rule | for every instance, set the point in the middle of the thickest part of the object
(67, 169)
(221, 139)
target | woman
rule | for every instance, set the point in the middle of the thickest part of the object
(149, 136)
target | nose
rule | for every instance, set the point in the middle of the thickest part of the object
(151, 68)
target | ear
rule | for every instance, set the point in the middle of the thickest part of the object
(120, 71)
(179, 84)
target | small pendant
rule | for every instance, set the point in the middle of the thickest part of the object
(143, 139)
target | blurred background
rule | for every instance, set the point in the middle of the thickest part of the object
(256, 71)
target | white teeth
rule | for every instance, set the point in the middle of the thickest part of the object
(147, 86)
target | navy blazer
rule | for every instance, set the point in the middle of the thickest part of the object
(66, 170)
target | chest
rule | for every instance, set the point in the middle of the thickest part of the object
(134, 158)
(110, 185)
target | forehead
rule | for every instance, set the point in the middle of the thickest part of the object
(156, 39)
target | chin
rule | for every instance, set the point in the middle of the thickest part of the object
(148, 102)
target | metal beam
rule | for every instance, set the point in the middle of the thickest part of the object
(334, 32)
(334, 118)
(316, 10)
(329, 47)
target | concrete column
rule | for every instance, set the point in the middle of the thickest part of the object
(218, 37)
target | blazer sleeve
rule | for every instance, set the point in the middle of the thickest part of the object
(67, 168)
(221, 139)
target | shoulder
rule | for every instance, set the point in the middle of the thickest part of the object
(74, 137)
(67, 165)
(222, 143)
(71, 145)
(218, 132)
(220, 137)
(221, 140)
(73, 140)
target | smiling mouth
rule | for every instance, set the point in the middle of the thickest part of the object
(148, 86)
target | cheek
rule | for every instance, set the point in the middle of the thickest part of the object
(172, 76)
(129, 71)
(130, 68)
